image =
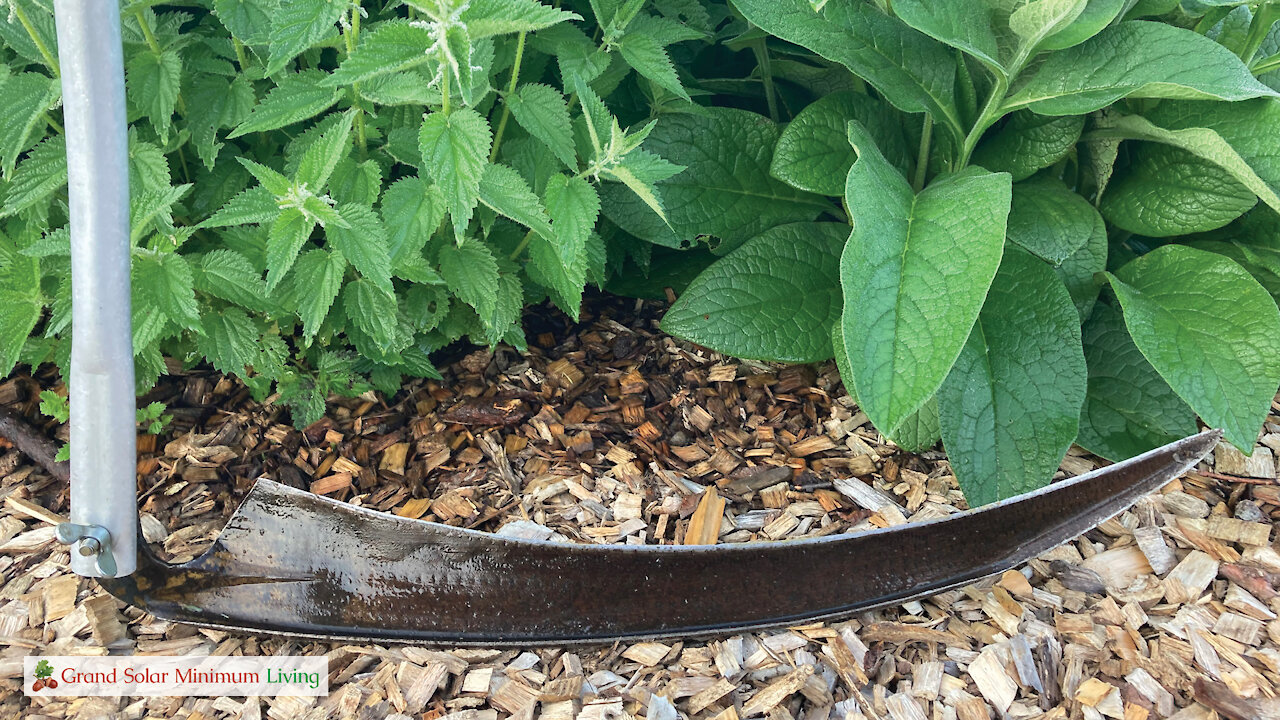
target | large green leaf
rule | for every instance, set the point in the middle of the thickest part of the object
(774, 298)
(1097, 15)
(23, 302)
(1129, 408)
(1210, 330)
(311, 287)
(153, 81)
(911, 70)
(297, 97)
(725, 191)
(1011, 405)
(230, 340)
(574, 207)
(963, 24)
(1166, 191)
(373, 310)
(363, 242)
(412, 211)
(499, 17)
(1078, 272)
(1136, 59)
(27, 97)
(543, 112)
(296, 25)
(391, 47)
(287, 235)
(455, 149)
(41, 174)
(813, 152)
(506, 193)
(1028, 142)
(1050, 220)
(910, 297)
(166, 286)
(472, 274)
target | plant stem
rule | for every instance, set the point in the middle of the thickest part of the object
(1266, 65)
(766, 74)
(922, 159)
(352, 38)
(146, 32)
(511, 89)
(523, 244)
(241, 58)
(49, 59)
(444, 89)
(990, 113)
(1263, 18)
(53, 124)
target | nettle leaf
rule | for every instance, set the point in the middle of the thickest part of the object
(774, 298)
(39, 176)
(249, 21)
(911, 70)
(364, 243)
(252, 206)
(726, 190)
(1010, 407)
(564, 280)
(298, 96)
(1129, 408)
(323, 155)
(353, 182)
(472, 274)
(542, 111)
(287, 235)
(311, 287)
(1210, 330)
(648, 57)
(505, 315)
(275, 183)
(574, 208)
(230, 340)
(391, 47)
(166, 287)
(296, 25)
(1136, 59)
(506, 193)
(485, 18)
(412, 211)
(228, 275)
(1050, 220)
(455, 149)
(1027, 143)
(962, 24)
(1166, 191)
(23, 302)
(27, 97)
(373, 310)
(813, 152)
(214, 104)
(153, 81)
(898, 265)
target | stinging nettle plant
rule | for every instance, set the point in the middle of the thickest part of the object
(1059, 225)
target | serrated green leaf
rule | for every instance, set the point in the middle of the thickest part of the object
(1010, 407)
(1210, 330)
(1028, 142)
(310, 289)
(373, 310)
(1167, 191)
(574, 208)
(1129, 408)
(912, 71)
(358, 183)
(287, 235)
(298, 96)
(455, 149)
(249, 207)
(485, 18)
(296, 25)
(22, 300)
(153, 81)
(472, 274)
(899, 260)
(412, 211)
(214, 104)
(275, 183)
(813, 152)
(228, 275)
(391, 47)
(322, 156)
(774, 298)
(962, 24)
(230, 340)
(1049, 220)
(27, 97)
(541, 110)
(506, 193)
(506, 309)
(153, 207)
(40, 175)
(726, 190)
(648, 57)
(166, 287)
(364, 243)
(249, 21)
(1136, 59)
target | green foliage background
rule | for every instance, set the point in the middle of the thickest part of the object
(1015, 224)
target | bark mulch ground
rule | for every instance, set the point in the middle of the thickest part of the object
(611, 432)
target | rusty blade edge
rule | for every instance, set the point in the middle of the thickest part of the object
(294, 563)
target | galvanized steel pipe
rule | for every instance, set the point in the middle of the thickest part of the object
(103, 441)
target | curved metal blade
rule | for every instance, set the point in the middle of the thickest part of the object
(297, 563)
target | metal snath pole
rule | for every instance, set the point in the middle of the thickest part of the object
(104, 517)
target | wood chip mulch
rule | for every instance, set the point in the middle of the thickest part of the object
(611, 432)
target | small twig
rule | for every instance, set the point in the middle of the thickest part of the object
(33, 443)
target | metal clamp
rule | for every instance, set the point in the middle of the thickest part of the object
(94, 540)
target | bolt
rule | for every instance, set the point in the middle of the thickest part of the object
(90, 546)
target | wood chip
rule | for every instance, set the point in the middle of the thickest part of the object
(777, 691)
(1191, 576)
(704, 524)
